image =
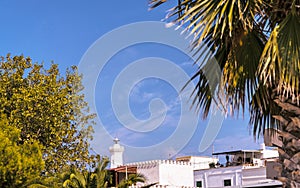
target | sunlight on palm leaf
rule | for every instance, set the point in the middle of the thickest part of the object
(234, 33)
(256, 44)
(280, 59)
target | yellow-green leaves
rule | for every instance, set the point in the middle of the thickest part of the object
(209, 20)
(99, 177)
(19, 162)
(48, 108)
(269, 58)
(280, 60)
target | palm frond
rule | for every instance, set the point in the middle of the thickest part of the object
(274, 12)
(202, 96)
(239, 73)
(69, 184)
(37, 186)
(132, 180)
(262, 109)
(149, 185)
(216, 19)
(280, 61)
(155, 3)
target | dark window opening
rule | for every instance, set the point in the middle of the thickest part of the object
(198, 183)
(227, 182)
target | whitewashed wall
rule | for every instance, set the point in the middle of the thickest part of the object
(166, 173)
(253, 175)
(175, 173)
(200, 162)
(215, 177)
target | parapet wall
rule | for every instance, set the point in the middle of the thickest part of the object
(153, 163)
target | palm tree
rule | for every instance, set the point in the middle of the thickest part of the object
(84, 179)
(103, 176)
(97, 178)
(149, 185)
(132, 180)
(256, 44)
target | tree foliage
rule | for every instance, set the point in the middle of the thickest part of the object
(256, 46)
(47, 107)
(103, 176)
(132, 180)
(84, 179)
(19, 163)
(99, 177)
(54, 180)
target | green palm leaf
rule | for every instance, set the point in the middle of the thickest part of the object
(256, 44)
(280, 61)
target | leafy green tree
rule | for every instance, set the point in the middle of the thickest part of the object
(132, 180)
(47, 107)
(19, 163)
(55, 180)
(256, 44)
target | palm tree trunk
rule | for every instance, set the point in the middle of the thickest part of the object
(289, 135)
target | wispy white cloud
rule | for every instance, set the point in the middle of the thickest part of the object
(140, 96)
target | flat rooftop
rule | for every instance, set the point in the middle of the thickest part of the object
(236, 152)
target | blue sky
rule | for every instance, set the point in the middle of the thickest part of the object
(63, 31)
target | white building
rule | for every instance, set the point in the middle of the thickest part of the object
(116, 152)
(166, 173)
(234, 176)
(172, 173)
(243, 168)
(198, 162)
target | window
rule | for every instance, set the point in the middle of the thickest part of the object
(198, 183)
(227, 182)
(248, 160)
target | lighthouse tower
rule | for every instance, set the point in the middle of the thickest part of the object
(116, 152)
